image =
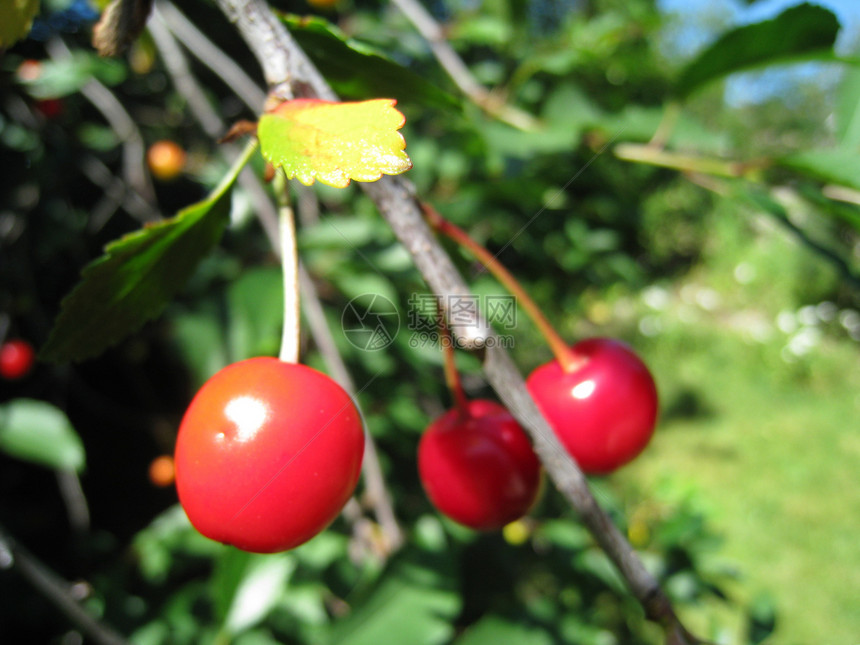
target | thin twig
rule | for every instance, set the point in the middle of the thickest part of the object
(120, 121)
(841, 194)
(395, 199)
(55, 589)
(308, 203)
(116, 193)
(457, 69)
(210, 55)
(654, 156)
(76, 502)
(180, 72)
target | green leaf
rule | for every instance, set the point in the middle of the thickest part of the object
(138, 276)
(40, 433)
(357, 71)
(256, 302)
(160, 547)
(493, 630)
(200, 340)
(597, 563)
(259, 590)
(565, 534)
(799, 33)
(58, 78)
(846, 212)
(335, 142)
(226, 578)
(848, 109)
(408, 606)
(16, 18)
(835, 166)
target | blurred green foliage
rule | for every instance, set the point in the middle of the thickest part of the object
(736, 260)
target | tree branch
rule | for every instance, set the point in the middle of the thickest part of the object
(55, 589)
(116, 193)
(180, 72)
(457, 70)
(395, 199)
(266, 36)
(210, 55)
(133, 152)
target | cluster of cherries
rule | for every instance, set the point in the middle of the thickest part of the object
(269, 452)
(477, 465)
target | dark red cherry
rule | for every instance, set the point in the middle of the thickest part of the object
(478, 467)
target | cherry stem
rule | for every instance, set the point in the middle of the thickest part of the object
(452, 376)
(567, 358)
(290, 267)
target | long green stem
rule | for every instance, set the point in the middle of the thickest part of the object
(290, 267)
(568, 359)
(687, 163)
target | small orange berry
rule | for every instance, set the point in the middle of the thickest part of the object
(29, 70)
(166, 159)
(161, 471)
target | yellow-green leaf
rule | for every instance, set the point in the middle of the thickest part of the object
(16, 17)
(335, 142)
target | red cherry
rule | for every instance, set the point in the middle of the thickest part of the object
(16, 359)
(50, 108)
(604, 411)
(478, 467)
(267, 455)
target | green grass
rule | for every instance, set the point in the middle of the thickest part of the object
(770, 442)
(778, 465)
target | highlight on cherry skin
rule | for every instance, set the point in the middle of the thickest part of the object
(604, 410)
(478, 467)
(267, 455)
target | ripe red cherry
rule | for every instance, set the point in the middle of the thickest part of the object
(16, 359)
(478, 467)
(604, 411)
(267, 455)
